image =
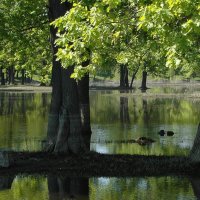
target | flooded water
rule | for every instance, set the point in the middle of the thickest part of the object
(115, 116)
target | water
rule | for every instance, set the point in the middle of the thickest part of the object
(115, 116)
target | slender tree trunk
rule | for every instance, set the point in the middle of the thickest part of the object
(2, 76)
(7, 76)
(11, 75)
(122, 85)
(133, 76)
(124, 76)
(144, 81)
(23, 76)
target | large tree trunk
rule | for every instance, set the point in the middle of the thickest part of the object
(69, 136)
(64, 125)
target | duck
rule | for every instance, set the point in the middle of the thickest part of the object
(144, 140)
(170, 133)
(161, 132)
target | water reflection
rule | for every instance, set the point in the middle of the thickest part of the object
(142, 188)
(23, 119)
(143, 116)
(114, 116)
(59, 188)
(68, 188)
(124, 110)
(6, 182)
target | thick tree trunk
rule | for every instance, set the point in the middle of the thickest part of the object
(144, 81)
(83, 89)
(2, 76)
(124, 76)
(56, 101)
(64, 125)
(55, 10)
(69, 136)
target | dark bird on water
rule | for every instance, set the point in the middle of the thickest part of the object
(170, 133)
(161, 133)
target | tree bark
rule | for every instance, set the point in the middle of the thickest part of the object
(83, 89)
(11, 75)
(144, 81)
(64, 125)
(133, 76)
(23, 76)
(69, 136)
(2, 76)
(55, 10)
(124, 76)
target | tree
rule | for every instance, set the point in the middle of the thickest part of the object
(24, 37)
(64, 125)
(175, 27)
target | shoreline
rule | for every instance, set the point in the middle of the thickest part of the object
(113, 86)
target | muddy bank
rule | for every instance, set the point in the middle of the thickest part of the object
(98, 165)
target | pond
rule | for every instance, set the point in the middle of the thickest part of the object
(115, 116)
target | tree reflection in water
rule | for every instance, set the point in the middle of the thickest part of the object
(6, 182)
(67, 188)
